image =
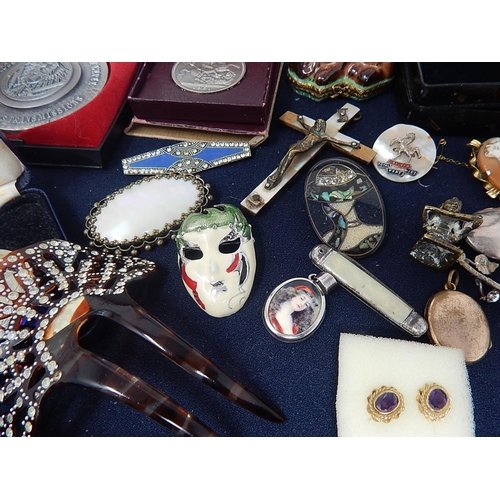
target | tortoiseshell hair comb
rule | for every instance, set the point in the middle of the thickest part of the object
(47, 292)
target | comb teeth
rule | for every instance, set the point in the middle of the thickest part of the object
(60, 283)
(123, 310)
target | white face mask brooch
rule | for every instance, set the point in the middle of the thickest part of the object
(217, 259)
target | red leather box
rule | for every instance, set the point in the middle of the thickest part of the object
(86, 137)
(244, 108)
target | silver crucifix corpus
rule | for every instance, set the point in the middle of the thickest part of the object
(316, 135)
(303, 151)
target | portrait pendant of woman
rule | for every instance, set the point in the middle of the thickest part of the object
(295, 309)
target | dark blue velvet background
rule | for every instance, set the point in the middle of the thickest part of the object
(299, 378)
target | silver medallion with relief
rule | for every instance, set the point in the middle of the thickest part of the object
(207, 77)
(36, 93)
(405, 153)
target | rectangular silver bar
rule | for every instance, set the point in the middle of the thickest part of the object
(369, 289)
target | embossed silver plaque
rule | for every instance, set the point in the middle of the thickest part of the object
(207, 77)
(35, 93)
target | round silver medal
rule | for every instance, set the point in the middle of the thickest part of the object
(405, 153)
(207, 77)
(35, 93)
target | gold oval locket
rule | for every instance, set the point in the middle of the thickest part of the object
(457, 320)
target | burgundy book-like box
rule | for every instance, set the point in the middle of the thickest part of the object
(85, 138)
(245, 108)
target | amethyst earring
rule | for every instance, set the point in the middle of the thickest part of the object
(385, 404)
(434, 402)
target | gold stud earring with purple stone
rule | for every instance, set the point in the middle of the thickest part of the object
(385, 404)
(434, 402)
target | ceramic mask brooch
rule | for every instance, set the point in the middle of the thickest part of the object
(217, 259)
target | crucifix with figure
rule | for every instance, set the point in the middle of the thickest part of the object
(318, 133)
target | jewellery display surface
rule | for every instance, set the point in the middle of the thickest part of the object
(331, 222)
(207, 77)
(405, 153)
(145, 212)
(32, 93)
(190, 157)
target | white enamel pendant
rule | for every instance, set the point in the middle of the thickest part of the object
(404, 153)
(217, 259)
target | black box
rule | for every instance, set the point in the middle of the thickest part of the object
(450, 98)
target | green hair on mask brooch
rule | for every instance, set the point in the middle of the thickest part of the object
(218, 216)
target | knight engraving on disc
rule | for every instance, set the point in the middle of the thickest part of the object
(35, 93)
(207, 77)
